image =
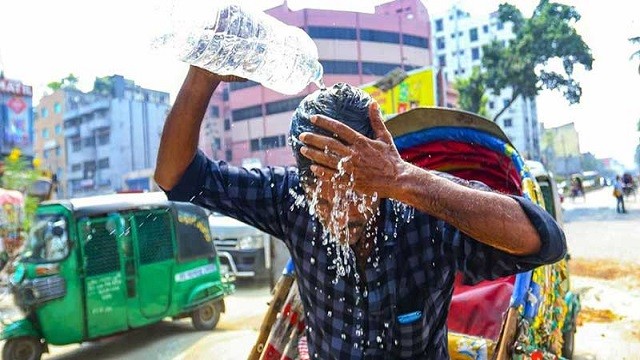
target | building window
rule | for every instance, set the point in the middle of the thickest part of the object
(227, 124)
(76, 145)
(508, 123)
(485, 28)
(58, 151)
(442, 60)
(242, 85)
(268, 142)
(255, 145)
(249, 112)
(214, 111)
(326, 32)
(440, 43)
(45, 154)
(473, 34)
(45, 134)
(225, 94)
(228, 155)
(44, 112)
(339, 67)
(380, 36)
(439, 25)
(57, 108)
(378, 69)
(76, 167)
(104, 137)
(58, 129)
(217, 145)
(500, 25)
(103, 163)
(475, 53)
(281, 106)
(89, 141)
(491, 105)
(417, 41)
(505, 102)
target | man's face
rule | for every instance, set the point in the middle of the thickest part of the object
(343, 212)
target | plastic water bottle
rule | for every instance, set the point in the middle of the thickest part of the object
(229, 39)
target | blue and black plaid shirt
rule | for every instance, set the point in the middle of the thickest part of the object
(398, 309)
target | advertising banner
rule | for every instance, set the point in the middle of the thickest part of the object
(417, 90)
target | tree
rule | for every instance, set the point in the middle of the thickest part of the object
(68, 82)
(521, 63)
(472, 93)
(19, 175)
(636, 40)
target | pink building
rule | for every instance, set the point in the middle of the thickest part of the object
(248, 123)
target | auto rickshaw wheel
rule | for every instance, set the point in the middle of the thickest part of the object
(22, 348)
(206, 317)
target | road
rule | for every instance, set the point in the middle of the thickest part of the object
(605, 250)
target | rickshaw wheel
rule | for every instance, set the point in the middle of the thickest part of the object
(22, 348)
(206, 317)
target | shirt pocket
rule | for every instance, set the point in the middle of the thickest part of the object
(409, 339)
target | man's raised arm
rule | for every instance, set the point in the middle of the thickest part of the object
(179, 141)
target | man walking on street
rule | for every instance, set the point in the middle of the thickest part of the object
(376, 241)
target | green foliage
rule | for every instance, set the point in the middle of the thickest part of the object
(20, 175)
(103, 85)
(521, 64)
(68, 82)
(472, 93)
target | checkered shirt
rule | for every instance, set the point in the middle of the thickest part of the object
(411, 271)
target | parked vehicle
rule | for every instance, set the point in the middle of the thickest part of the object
(96, 266)
(531, 315)
(247, 250)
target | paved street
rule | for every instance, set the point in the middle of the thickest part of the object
(605, 250)
(597, 237)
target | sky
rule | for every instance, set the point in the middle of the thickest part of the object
(43, 41)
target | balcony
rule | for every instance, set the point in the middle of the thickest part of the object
(99, 122)
(88, 108)
(72, 131)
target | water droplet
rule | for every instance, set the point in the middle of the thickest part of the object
(329, 313)
(378, 339)
(343, 336)
(312, 260)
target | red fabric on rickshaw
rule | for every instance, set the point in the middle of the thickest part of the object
(464, 160)
(477, 310)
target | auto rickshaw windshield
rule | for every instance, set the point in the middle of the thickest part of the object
(48, 241)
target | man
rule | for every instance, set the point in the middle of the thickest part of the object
(376, 241)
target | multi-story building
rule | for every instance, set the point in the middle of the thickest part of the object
(561, 149)
(248, 123)
(49, 142)
(112, 135)
(457, 45)
(16, 116)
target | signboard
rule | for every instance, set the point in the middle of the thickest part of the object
(417, 90)
(14, 87)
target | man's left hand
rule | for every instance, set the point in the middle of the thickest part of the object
(374, 164)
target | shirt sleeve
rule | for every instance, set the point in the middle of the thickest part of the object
(478, 261)
(257, 197)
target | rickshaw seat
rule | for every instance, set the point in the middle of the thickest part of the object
(477, 310)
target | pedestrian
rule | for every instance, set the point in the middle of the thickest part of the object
(375, 275)
(618, 193)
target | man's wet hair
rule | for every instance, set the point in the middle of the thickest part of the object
(342, 102)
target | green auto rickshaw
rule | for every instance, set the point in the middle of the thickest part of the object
(97, 266)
